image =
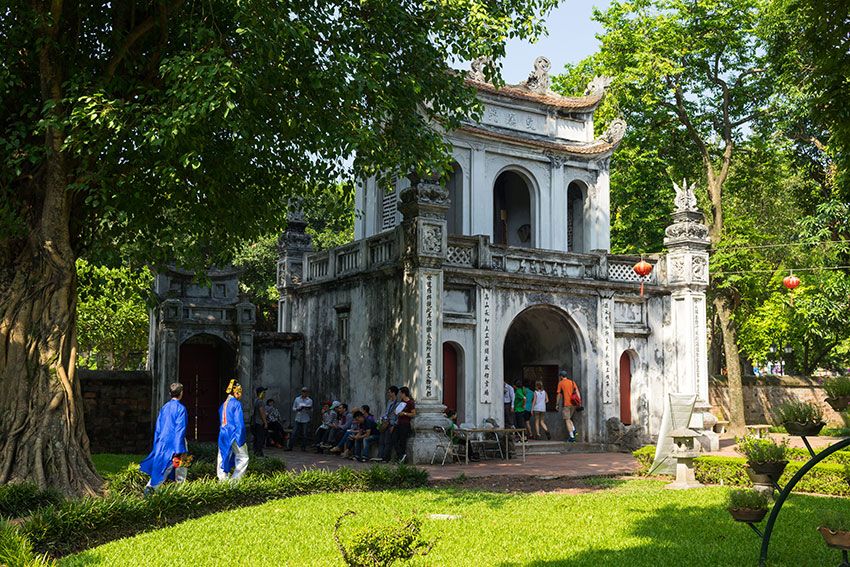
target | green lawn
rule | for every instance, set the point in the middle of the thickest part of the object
(633, 524)
(110, 463)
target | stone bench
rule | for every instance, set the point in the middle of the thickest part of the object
(759, 431)
(720, 426)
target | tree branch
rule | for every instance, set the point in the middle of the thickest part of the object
(135, 35)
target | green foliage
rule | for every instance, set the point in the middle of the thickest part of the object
(837, 386)
(747, 499)
(762, 450)
(382, 546)
(78, 524)
(112, 316)
(799, 412)
(16, 550)
(20, 499)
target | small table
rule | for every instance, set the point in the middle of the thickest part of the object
(467, 432)
(760, 431)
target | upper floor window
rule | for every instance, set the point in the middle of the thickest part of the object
(512, 222)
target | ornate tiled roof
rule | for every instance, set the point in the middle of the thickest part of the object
(520, 92)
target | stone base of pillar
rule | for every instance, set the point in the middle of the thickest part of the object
(429, 414)
(685, 477)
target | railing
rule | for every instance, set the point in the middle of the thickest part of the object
(347, 259)
(377, 251)
(318, 266)
(463, 252)
(545, 263)
(620, 269)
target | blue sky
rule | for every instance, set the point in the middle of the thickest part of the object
(571, 38)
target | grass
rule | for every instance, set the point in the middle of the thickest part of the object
(635, 523)
(111, 463)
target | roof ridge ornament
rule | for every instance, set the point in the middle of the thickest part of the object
(615, 132)
(476, 69)
(686, 199)
(597, 85)
(538, 80)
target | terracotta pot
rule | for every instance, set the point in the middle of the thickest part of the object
(838, 540)
(749, 515)
(773, 470)
(839, 404)
(803, 429)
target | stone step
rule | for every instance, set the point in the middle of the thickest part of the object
(562, 447)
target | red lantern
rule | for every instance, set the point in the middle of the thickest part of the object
(792, 282)
(642, 269)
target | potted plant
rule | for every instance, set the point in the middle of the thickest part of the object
(764, 456)
(747, 505)
(837, 390)
(835, 529)
(800, 418)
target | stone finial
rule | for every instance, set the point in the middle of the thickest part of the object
(686, 199)
(615, 132)
(597, 86)
(476, 69)
(538, 80)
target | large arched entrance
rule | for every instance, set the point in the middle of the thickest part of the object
(207, 363)
(453, 379)
(541, 341)
(512, 219)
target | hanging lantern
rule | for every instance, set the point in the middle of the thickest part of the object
(791, 282)
(642, 269)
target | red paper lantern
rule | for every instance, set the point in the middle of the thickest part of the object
(791, 282)
(642, 269)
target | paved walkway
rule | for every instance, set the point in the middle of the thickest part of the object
(572, 465)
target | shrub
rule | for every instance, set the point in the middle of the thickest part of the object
(836, 521)
(762, 450)
(16, 550)
(747, 499)
(799, 412)
(79, 524)
(21, 499)
(382, 546)
(837, 386)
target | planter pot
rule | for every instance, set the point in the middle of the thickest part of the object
(838, 540)
(773, 470)
(803, 429)
(839, 404)
(749, 515)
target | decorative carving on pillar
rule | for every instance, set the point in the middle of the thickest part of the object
(597, 86)
(557, 161)
(615, 132)
(429, 335)
(293, 243)
(485, 334)
(423, 206)
(606, 331)
(476, 69)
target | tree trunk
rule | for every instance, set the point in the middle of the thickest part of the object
(42, 431)
(737, 421)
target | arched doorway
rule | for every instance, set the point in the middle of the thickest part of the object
(575, 216)
(512, 220)
(453, 379)
(541, 341)
(626, 388)
(207, 363)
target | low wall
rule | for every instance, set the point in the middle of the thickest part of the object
(764, 394)
(117, 408)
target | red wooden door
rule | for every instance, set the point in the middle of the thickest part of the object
(449, 376)
(626, 388)
(199, 376)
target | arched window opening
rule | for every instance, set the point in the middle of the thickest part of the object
(575, 217)
(454, 185)
(512, 222)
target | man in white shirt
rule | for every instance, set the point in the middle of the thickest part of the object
(508, 399)
(303, 407)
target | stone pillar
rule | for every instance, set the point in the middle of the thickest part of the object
(687, 274)
(424, 241)
(245, 319)
(292, 245)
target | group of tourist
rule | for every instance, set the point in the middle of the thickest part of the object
(351, 433)
(526, 408)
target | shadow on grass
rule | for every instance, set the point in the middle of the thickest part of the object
(707, 536)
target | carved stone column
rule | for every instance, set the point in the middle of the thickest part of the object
(687, 273)
(423, 206)
(246, 317)
(292, 245)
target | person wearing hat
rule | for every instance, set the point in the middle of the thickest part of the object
(169, 442)
(232, 444)
(303, 407)
(259, 422)
(568, 396)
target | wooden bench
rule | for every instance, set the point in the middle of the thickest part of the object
(720, 426)
(759, 431)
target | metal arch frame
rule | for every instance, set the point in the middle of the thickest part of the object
(777, 506)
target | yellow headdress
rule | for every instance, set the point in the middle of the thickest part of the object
(234, 387)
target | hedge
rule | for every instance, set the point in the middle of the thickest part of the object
(76, 525)
(826, 478)
(21, 499)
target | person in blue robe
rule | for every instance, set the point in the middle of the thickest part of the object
(169, 441)
(232, 446)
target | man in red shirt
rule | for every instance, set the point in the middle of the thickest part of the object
(566, 389)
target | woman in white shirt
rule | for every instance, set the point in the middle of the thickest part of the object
(538, 410)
